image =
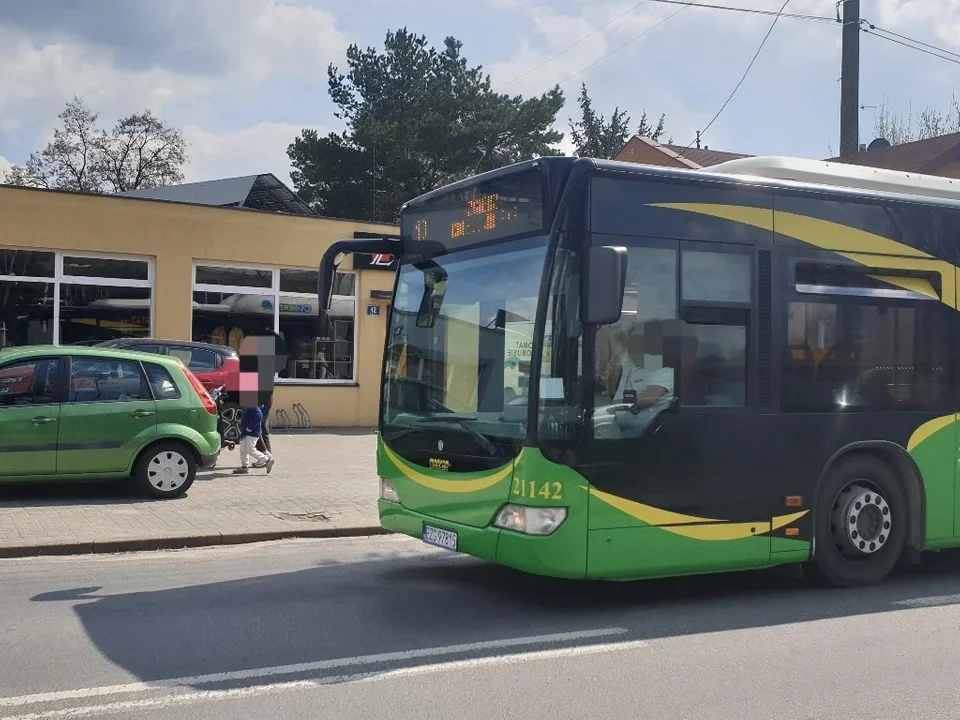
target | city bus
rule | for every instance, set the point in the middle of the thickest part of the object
(724, 369)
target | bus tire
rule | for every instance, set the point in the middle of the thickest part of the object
(861, 523)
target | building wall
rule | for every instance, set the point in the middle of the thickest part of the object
(176, 235)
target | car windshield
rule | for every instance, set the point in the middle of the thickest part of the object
(458, 353)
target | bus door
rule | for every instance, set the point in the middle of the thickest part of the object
(675, 460)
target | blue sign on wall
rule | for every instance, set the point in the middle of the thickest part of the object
(373, 309)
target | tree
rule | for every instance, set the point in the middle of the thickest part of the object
(593, 136)
(141, 151)
(931, 122)
(416, 118)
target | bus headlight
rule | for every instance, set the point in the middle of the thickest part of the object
(530, 520)
(388, 491)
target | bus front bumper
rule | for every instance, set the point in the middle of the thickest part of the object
(560, 555)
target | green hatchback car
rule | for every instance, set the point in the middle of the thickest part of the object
(74, 413)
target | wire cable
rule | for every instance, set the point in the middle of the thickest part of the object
(926, 48)
(744, 77)
(570, 47)
(621, 47)
(751, 11)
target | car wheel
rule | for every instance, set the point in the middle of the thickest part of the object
(861, 523)
(230, 416)
(165, 470)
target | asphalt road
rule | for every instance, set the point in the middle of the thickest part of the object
(384, 627)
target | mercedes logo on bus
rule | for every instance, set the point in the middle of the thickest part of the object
(440, 445)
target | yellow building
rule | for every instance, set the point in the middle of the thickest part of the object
(78, 268)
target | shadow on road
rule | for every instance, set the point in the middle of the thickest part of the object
(90, 492)
(390, 605)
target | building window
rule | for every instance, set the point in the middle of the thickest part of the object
(231, 302)
(56, 298)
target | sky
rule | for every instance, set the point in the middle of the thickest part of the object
(243, 77)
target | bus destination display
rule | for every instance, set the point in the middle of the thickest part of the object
(504, 207)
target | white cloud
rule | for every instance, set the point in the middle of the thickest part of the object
(5, 166)
(261, 148)
(264, 38)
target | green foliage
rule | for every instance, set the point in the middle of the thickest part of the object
(593, 136)
(416, 118)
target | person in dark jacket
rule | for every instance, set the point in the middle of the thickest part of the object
(251, 430)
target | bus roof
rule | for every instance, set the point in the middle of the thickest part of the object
(834, 174)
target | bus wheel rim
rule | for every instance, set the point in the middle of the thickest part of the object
(861, 520)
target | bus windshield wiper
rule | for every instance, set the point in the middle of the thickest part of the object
(461, 421)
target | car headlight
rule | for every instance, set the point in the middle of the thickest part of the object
(388, 491)
(530, 520)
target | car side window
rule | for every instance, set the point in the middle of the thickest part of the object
(95, 379)
(164, 388)
(196, 359)
(29, 382)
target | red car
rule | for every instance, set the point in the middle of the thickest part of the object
(210, 363)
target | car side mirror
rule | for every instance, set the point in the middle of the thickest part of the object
(606, 278)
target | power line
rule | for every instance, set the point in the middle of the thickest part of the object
(744, 77)
(621, 47)
(751, 11)
(926, 48)
(571, 46)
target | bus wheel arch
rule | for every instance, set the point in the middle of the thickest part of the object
(885, 476)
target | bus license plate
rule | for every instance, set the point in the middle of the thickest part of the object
(446, 539)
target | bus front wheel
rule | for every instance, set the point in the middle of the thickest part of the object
(861, 523)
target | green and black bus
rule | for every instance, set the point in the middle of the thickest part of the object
(597, 369)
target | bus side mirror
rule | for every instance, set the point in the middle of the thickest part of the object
(606, 278)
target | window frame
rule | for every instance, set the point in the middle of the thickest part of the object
(274, 293)
(749, 307)
(791, 294)
(144, 383)
(59, 388)
(58, 279)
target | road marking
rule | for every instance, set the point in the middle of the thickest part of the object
(197, 696)
(930, 601)
(298, 668)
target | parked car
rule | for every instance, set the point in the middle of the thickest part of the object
(212, 364)
(81, 413)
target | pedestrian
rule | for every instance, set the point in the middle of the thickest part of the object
(251, 430)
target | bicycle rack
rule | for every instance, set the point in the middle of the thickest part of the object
(303, 417)
(283, 420)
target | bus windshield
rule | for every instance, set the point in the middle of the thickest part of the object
(458, 353)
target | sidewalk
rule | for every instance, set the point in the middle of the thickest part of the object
(324, 484)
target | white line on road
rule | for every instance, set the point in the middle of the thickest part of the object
(930, 601)
(188, 697)
(299, 668)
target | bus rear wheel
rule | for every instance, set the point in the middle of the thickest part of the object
(861, 523)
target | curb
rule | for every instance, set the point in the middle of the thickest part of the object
(186, 541)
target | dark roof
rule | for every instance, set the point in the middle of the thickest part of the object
(254, 192)
(916, 156)
(704, 157)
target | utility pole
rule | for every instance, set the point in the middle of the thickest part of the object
(850, 80)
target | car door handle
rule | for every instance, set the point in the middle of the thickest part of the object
(143, 413)
(43, 420)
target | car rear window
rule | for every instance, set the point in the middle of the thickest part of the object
(164, 388)
(199, 360)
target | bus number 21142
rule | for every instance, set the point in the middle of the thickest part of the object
(531, 489)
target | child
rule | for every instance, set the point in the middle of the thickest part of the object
(251, 429)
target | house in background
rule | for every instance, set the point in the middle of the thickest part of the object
(933, 156)
(645, 151)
